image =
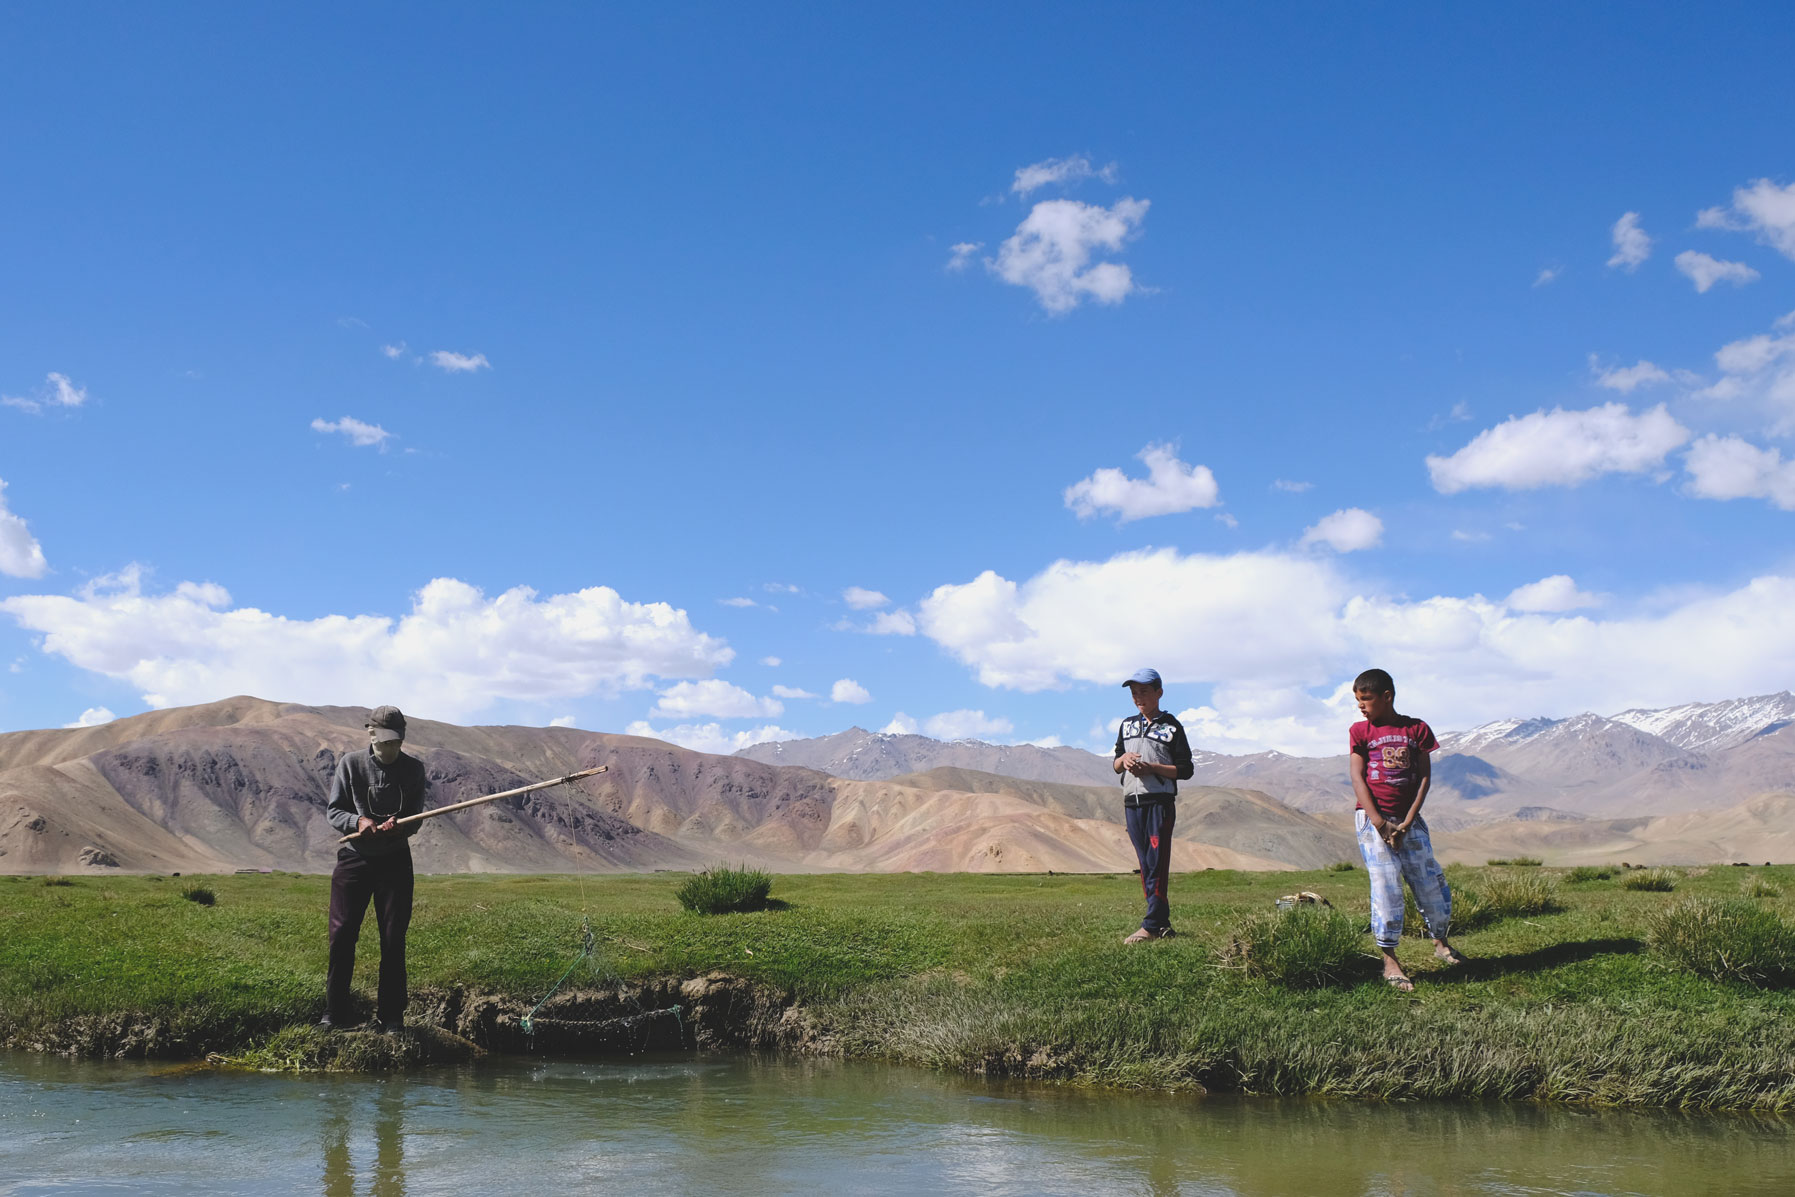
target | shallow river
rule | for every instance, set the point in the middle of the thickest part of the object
(720, 1124)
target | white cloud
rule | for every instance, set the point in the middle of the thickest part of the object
(1279, 636)
(1169, 488)
(1059, 170)
(1560, 448)
(715, 698)
(1631, 245)
(1050, 252)
(1730, 468)
(1547, 275)
(1274, 613)
(394, 351)
(1295, 488)
(1469, 537)
(1762, 208)
(892, 623)
(1346, 531)
(93, 717)
(455, 654)
(1627, 379)
(359, 434)
(901, 725)
(57, 391)
(738, 602)
(862, 599)
(966, 725)
(562, 721)
(850, 691)
(963, 252)
(1044, 742)
(21, 556)
(1556, 593)
(1761, 370)
(781, 588)
(792, 692)
(709, 737)
(1704, 271)
(1226, 519)
(459, 363)
(771, 662)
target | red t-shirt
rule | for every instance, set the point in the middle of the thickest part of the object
(1392, 755)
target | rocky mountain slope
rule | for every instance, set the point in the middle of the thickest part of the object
(875, 756)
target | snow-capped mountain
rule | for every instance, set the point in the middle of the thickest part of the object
(1712, 726)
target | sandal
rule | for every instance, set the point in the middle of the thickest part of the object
(1400, 983)
(1450, 956)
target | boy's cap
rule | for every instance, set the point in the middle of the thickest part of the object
(387, 723)
(1146, 677)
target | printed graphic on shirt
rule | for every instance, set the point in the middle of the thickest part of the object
(1396, 756)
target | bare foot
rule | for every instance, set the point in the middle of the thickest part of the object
(1399, 983)
(1448, 953)
(1141, 936)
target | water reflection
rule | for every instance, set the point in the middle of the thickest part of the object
(736, 1125)
(341, 1123)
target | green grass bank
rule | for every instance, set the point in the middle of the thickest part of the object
(1000, 975)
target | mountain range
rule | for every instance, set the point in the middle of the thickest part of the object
(1698, 756)
(242, 784)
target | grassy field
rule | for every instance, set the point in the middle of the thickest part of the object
(1012, 975)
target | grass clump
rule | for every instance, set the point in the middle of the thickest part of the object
(200, 894)
(1301, 948)
(1498, 898)
(1525, 862)
(1342, 866)
(723, 890)
(1726, 940)
(56, 881)
(1757, 887)
(1656, 881)
(1589, 873)
(317, 1049)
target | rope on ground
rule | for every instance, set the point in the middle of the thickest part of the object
(587, 942)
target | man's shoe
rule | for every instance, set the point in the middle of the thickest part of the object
(387, 1028)
(325, 1024)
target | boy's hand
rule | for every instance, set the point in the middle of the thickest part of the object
(364, 825)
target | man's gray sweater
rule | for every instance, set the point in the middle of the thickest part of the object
(364, 786)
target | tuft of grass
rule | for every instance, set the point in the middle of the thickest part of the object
(55, 881)
(1525, 862)
(200, 894)
(1757, 887)
(315, 1049)
(723, 890)
(1342, 866)
(1499, 898)
(1589, 873)
(1302, 948)
(1657, 881)
(1725, 940)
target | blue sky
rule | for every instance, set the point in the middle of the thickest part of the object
(573, 362)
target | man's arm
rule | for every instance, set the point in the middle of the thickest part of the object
(1182, 766)
(341, 808)
(1425, 768)
(414, 804)
(1355, 766)
(1122, 758)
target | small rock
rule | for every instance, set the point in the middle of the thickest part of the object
(97, 858)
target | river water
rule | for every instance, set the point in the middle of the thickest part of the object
(749, 1125)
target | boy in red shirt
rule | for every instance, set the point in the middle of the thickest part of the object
(1390, 778)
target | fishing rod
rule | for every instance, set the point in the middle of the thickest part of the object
(443, 810)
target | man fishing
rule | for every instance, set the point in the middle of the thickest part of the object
(371, 792)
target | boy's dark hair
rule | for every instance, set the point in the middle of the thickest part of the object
(1376, 681)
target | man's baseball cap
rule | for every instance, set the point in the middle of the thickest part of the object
(1146, 677)
(387, 723)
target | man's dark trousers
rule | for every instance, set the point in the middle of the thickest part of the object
(1150, 827)
(387, 880)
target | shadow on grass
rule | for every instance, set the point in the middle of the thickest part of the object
(1488, 968)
